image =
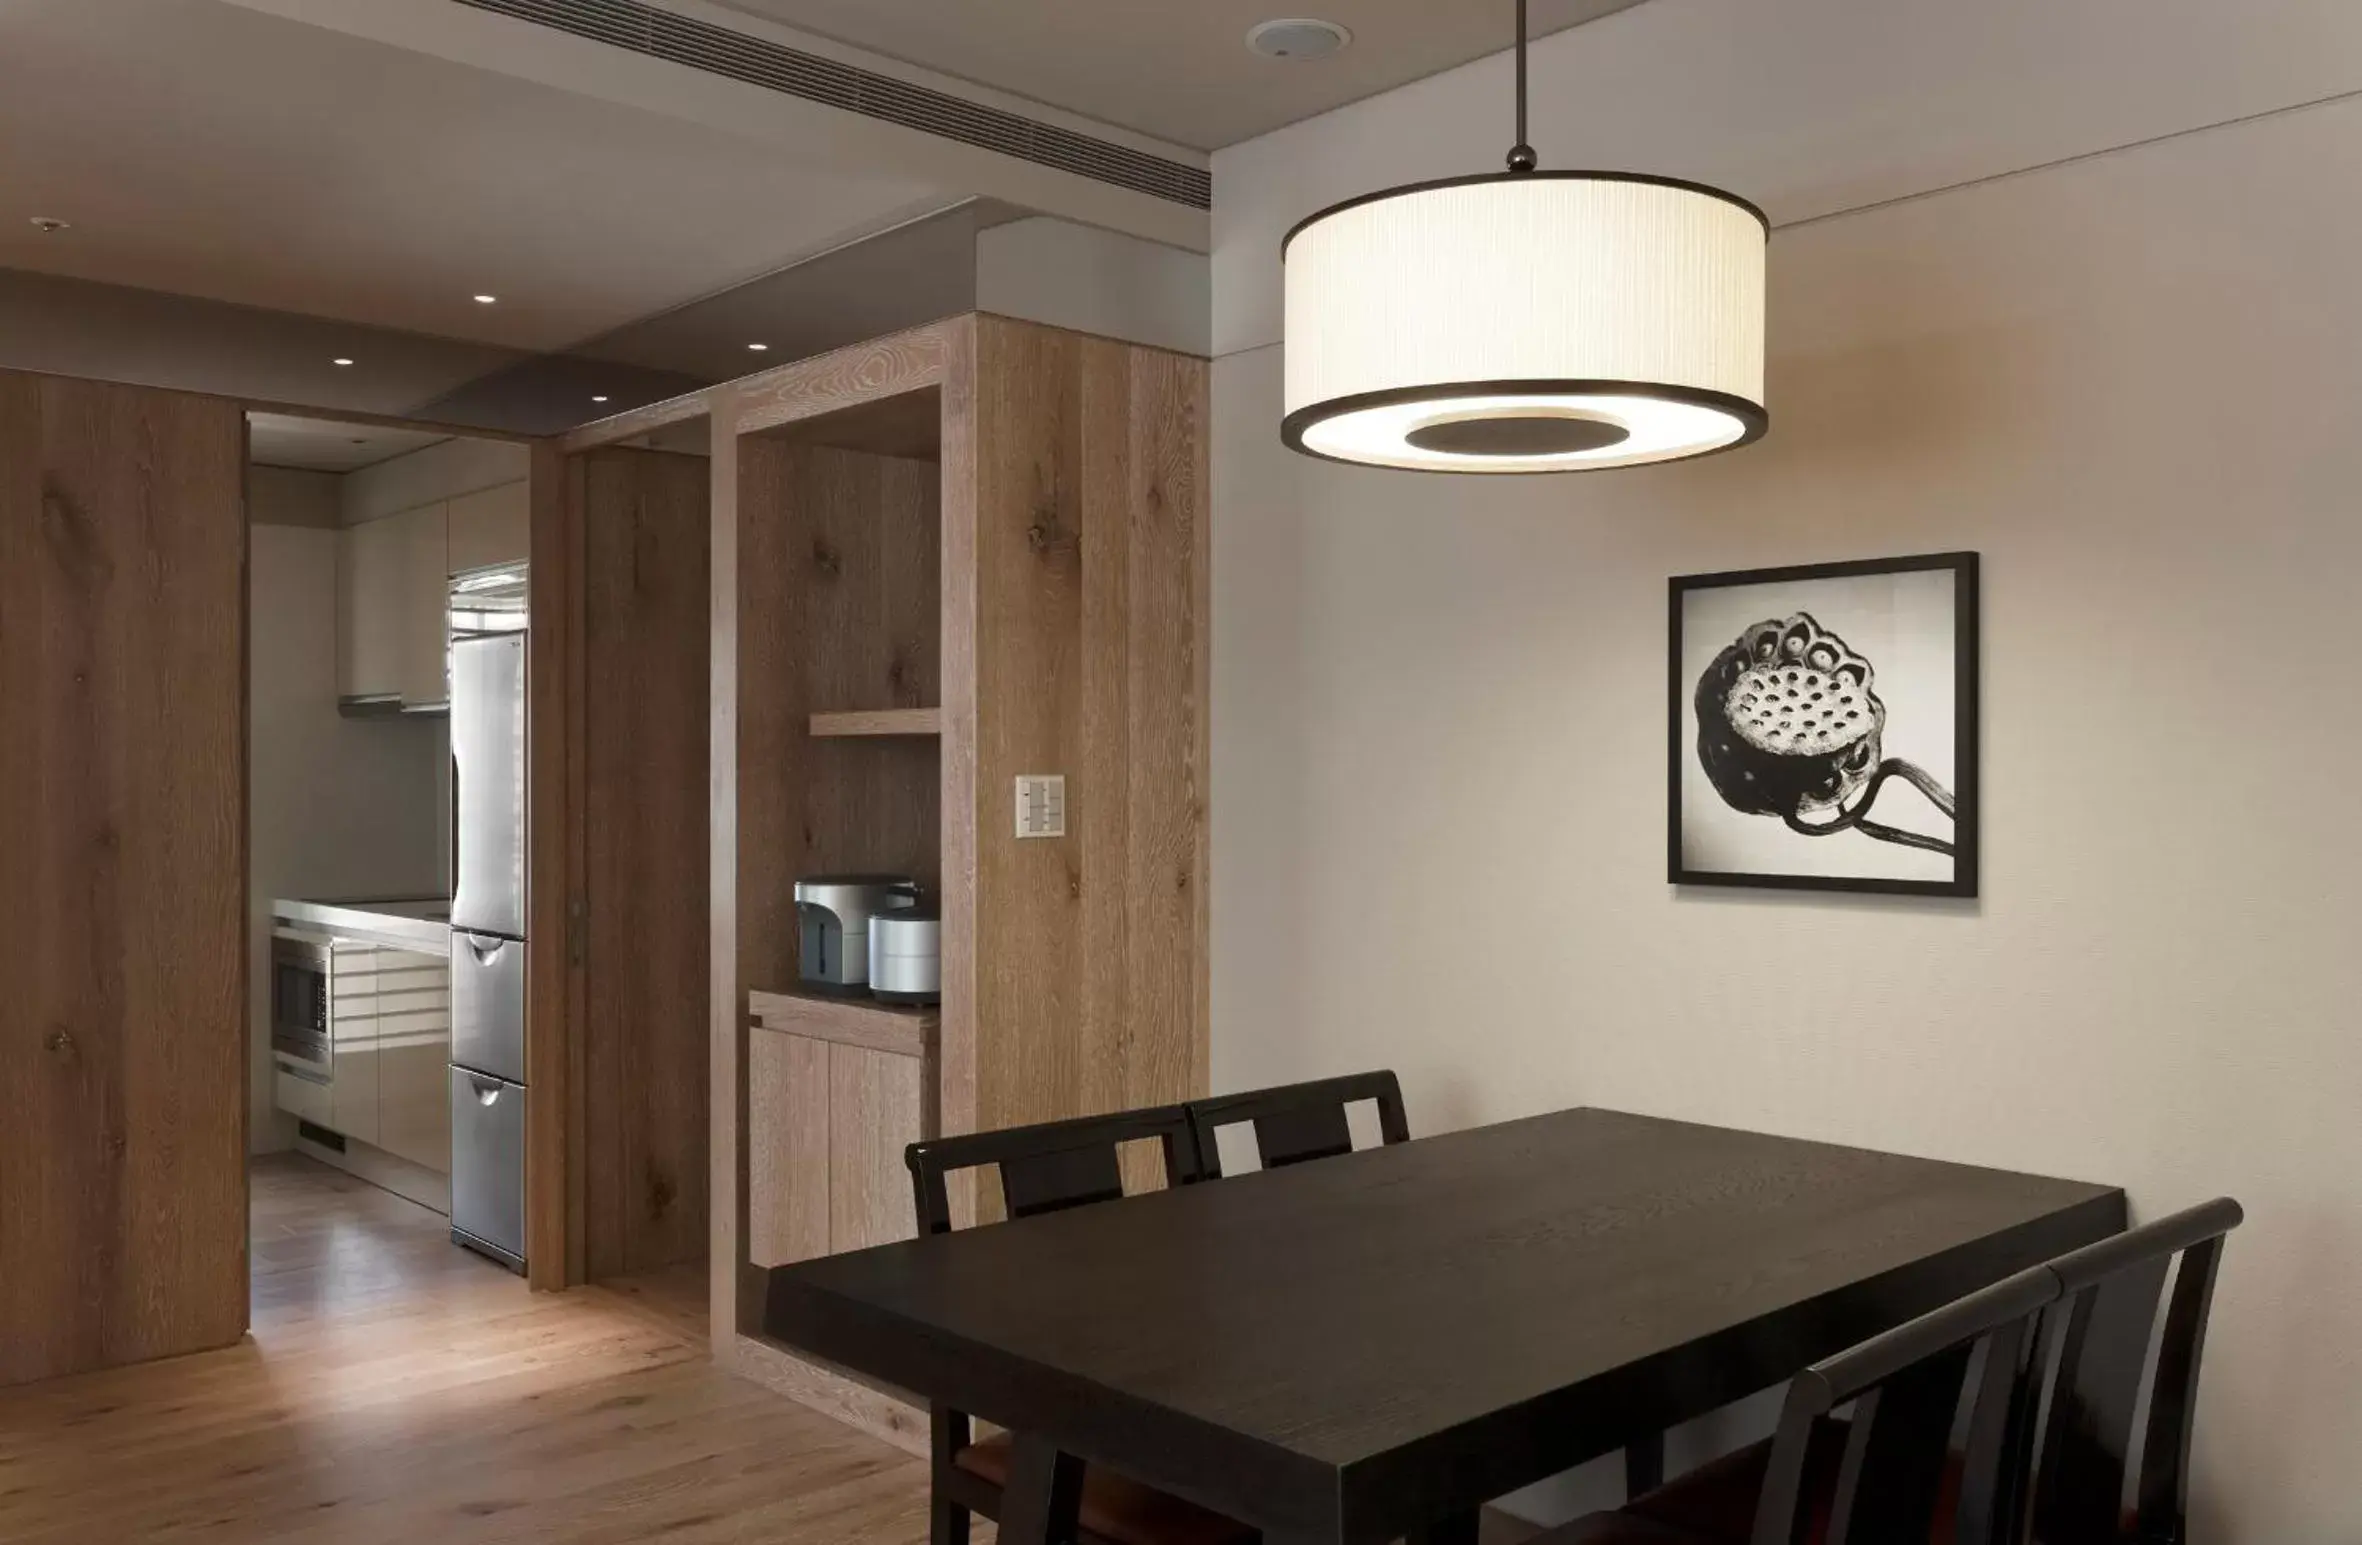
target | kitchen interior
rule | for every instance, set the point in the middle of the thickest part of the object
(388, 671)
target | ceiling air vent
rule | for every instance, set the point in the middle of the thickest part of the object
(719, 51)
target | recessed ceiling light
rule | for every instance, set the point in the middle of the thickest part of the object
(598, 399)
(758, 347)
(340, 360)
(48, 226)
(486, 300)
(1297, 38)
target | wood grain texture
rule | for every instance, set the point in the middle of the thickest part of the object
(398, 1390)
(887, 1416)
(902, 1030)
(876, 1109)
(122, 875)
(846, 378)
(787, 1148)
(553, 1227)
(728, 1161)
(645, 541)
(883, 721)
(1091, 609)
(1546, 1290)
(956, 1076)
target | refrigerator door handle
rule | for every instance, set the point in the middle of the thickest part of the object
(485, 950)
(487, 1090)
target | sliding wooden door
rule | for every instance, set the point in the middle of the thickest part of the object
(122, 875)
(643, 1054)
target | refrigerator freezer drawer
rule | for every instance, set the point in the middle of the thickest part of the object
(488, 1005)
(488, 1166)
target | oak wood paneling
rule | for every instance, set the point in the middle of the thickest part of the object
(645, 541)
(843, 379)
(729, 1159)
(122, 875)
(553, 1117)
(1090, 564)
(906, 1031)
(876, 1108)
(787, 1148)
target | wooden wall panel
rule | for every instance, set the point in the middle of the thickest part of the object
(1091, 617)
(645, 543)
(553, 1112)
(122, 875)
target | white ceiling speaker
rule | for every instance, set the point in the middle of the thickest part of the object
(1297, 38)
(1526, 321)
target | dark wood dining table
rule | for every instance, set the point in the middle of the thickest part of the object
(1368, 1348)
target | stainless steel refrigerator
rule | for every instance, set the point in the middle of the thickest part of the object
(488, 947)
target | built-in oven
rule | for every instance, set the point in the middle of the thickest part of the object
(303, 977)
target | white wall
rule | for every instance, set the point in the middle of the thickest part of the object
(335, 806)
(444, 470)
(1095, 281)
(2130, 382)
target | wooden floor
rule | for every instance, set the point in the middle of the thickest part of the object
(398, 1391)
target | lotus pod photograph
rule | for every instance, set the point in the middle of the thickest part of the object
(1824, 727)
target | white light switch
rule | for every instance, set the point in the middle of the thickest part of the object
(1041, 804)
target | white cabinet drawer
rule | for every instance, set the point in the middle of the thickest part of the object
(306, 1101)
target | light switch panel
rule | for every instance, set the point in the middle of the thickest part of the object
(1041, 804)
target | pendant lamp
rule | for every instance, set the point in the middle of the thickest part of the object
(1526, 321)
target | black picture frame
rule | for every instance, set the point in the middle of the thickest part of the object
(1686, 696)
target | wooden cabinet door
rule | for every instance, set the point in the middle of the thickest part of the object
(827, 1121)
(491, 527)
(123, 903)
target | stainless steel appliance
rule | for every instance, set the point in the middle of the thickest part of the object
(302, 986)
(833, 911)
(488, 1090)
(906, 956)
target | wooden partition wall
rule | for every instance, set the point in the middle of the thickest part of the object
(963, 553)
(123, 1014)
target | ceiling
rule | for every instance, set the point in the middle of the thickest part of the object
(1176, 69)
(315, 445)
(216, 151)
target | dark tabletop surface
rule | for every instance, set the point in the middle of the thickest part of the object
(1346, 1308)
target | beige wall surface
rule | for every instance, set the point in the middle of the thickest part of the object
(2131, 383)
(336, 806)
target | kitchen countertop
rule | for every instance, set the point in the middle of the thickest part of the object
(409, 922)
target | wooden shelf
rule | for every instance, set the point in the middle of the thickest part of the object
(905, 1030)
(880, 721)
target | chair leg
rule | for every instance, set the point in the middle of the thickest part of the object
(947, 1523)
(1644, 1465)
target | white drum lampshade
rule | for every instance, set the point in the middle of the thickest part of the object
(1526, 321)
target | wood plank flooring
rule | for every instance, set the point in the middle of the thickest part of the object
(398, 1391)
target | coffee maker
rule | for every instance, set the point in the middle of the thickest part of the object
(833, 913)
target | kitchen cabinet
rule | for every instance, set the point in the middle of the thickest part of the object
(392, 586)
(491, 527)
(413, 1050)
(843, 1088)
(390, 1041)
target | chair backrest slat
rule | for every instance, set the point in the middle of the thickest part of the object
(1296, 1123)
(1051, 1166)
(1909, 1388)
(2113, 1467)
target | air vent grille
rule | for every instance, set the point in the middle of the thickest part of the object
(700, 45)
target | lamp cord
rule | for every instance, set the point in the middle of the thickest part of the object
(1521, 154)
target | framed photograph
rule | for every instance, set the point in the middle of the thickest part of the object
(1824, 727)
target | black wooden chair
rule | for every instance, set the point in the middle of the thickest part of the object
(1049, 1168)
(1298, 1122)
(2109, 1332)
(2101, 1330)
(1887, 1476)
